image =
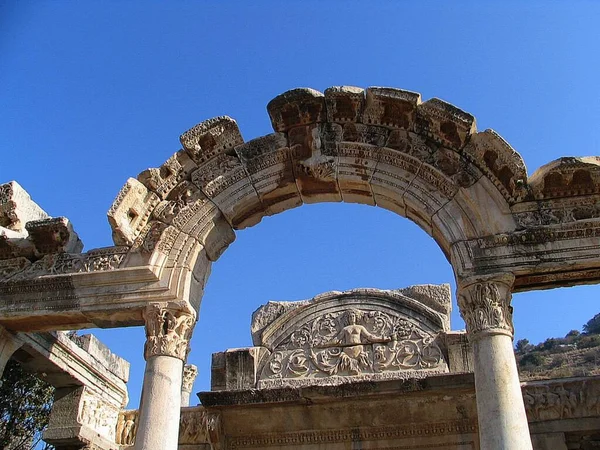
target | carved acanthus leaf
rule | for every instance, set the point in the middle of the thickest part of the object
(485, 305)
(168, 332)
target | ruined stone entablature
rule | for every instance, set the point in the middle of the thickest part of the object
(361, 334)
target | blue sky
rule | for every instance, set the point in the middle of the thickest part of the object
(92, 93)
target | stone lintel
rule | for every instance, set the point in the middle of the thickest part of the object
(64, 363)
(308, 394)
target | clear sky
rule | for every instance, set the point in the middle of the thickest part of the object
(92, 93)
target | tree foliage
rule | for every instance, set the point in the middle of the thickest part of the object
(593, 325)
(25, 403)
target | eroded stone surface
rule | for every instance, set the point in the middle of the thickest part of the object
(17, 208)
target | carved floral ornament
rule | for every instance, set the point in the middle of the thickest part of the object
(353, 343)
(484, 304)
(168, 332)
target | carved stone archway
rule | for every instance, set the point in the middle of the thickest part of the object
(469, 190)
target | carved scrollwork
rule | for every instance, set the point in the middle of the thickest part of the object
(352, 343)
(168, 332)
(485, 305)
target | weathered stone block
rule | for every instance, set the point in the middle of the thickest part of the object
(113, 363)
(53, 236)
(567, 177)
(268, 162)
(236, 369)
(390, 107)
(500, 162)
(297, 107)
(130, 212)
(17, 208)
(210, 138)
(162, 180)
(344, 103)
(225, 181)
(444, 123)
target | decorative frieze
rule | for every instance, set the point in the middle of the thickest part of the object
(327, 437)
(484, 304)
(98, 414)
(568, 399)
(353, 343)
(168, 331)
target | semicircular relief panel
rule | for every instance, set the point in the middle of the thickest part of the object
(362, 334)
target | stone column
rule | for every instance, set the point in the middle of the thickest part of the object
(168, 330)
(190, 372)
(484, 304)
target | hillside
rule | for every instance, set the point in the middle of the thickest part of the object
(576, 354)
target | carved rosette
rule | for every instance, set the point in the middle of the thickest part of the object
(190, 372)
(484, 304)
(168, 331)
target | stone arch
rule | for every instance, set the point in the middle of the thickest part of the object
(379, 146)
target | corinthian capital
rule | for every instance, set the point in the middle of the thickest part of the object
(484, 304)
(168, 331)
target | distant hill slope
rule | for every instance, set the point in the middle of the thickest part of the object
(577, 354)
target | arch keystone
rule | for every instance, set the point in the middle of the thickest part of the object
(390, 107)
(301, 106)
(344, 103)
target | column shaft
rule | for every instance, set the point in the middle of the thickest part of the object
(502, 420)
(160, 405)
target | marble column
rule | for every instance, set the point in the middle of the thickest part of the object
(190, 372)
(484, 304)
(168, 330)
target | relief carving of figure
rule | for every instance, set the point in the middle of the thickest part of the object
(351, 337)
(352, 342)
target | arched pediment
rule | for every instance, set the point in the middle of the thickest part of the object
(353, 335)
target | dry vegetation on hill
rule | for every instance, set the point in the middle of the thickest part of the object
(575, 355)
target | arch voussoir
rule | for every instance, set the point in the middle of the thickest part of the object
(268, 162)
